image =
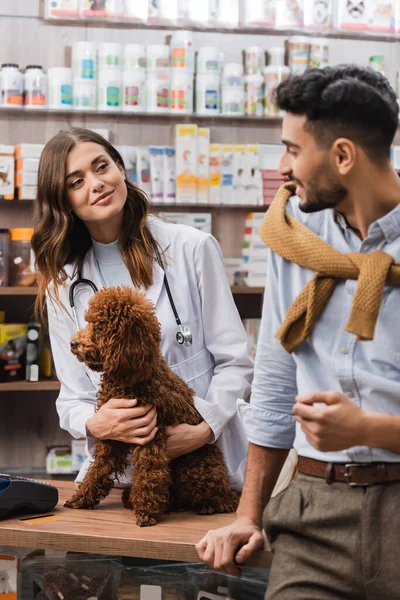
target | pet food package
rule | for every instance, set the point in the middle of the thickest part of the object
(289, 13)
(163, 12)
(157, 173)
(61, 9)
(318, 14)
(186, 164)
(169, 170)
(369, 15)
(203, 164)
(72, 578)
(9, 577)
(98, 9)
(6, 172)
(260, 13)
(215, 174)
(12, 352)
(224, 13)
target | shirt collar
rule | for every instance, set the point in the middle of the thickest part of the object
(387, 226)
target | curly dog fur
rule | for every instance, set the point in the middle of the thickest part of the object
(122, 341)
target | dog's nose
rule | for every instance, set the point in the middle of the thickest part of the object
(74, 345)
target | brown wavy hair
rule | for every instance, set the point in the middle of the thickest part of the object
(60, 237)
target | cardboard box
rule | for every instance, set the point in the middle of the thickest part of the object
(26, 178)
(186, 164)
(169, 170)
(157, 173)
(29, 165)
(27, 192)
(227, 151)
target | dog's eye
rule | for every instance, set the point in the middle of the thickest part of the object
(99, 327)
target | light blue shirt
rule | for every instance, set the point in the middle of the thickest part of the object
(110, 264)
(331, 359)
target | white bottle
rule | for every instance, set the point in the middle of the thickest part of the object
(12, 85)
(208, 94)
(35, 87)
(181, 92)
(134, 90)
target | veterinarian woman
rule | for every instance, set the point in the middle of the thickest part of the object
(91, 223)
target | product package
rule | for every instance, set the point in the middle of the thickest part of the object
(227, 151)
(61, 9)
(224, 13)
(215, 174)
(289, 13)
(143, 169)
(200, 221)
(169, 170)
(32, 352)
(261, 13)
(98, 9)
(193, 12)
(6, 172)
(157, 173)
(186, 164)
(12, 352)
(239, 174)
(9, 567)
(374, 15)
(253, 180)
(203, 165)
(76, 576)
(59, 461)
(318, 14)
(163, 12)
(133, 11)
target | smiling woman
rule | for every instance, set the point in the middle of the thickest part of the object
(92, 224)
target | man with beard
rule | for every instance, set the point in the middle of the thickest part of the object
(327, 375)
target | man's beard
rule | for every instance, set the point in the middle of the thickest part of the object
(321, 196)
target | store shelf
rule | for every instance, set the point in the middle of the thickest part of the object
(160, 207)
(244, 289)
(30, 386)
(31, 291)
(143, 116)
(18, 291)
(334, 33)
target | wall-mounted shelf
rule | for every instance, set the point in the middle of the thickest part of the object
(30, 386)
(146, 116)
(31, 291)
(242, 30)
(160, 207)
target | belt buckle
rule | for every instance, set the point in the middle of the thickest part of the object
(347, 474)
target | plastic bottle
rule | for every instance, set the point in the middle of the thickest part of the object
(35, 87)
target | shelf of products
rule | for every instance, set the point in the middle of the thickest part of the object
(31, 291)
(151, 116)
(30, 386)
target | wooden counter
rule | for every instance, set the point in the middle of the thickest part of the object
(110, 529)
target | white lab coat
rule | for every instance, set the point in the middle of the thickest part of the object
(217, 365)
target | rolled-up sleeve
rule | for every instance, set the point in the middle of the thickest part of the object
(268, 418)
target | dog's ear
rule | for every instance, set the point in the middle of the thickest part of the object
(134, 341)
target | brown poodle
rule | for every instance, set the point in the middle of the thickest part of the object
(122, 340)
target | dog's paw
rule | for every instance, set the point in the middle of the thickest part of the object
(146, 520)
(206, 510)
(81, 503)
(126, 501)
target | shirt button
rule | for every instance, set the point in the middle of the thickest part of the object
(350, 395)
(344, 351)
(391, 236)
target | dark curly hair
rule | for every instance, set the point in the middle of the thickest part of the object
(344, 101)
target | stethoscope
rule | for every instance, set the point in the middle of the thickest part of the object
(183, 335)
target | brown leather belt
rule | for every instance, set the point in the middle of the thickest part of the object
(354, 474)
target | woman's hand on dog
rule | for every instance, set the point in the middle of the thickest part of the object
(119, 419)
(185, 438)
